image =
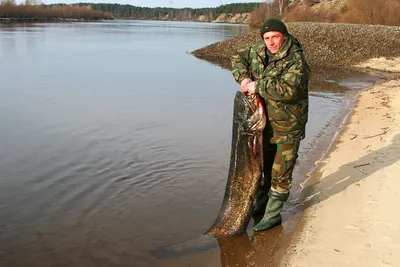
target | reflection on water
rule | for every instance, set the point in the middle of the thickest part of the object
(256, 249)
(115, 142)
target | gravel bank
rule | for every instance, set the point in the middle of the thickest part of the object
(325, 44)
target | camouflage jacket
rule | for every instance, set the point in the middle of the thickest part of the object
(283, 84)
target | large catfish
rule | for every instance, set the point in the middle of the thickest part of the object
(244, 178)
(245, 169)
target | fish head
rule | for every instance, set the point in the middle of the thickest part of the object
(251, 113)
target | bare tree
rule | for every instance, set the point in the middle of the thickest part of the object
(282, 5)
(264, 11)
(7, 2)
(33, 2)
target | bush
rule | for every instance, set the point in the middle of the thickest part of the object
(11, 11)
(309, 2)
(262, 13)
(305, 14)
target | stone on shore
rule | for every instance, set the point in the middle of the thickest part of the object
(325, 44)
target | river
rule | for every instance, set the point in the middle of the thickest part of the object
(114, 142)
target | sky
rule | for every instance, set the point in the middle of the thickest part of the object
(158, 3)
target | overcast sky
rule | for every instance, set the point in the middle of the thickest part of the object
(158, 3)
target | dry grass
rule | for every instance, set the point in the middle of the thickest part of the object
(11, 11)
(307, 14)
(377, 12)
(383, 12)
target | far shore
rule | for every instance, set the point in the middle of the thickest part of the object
(16, 20)
(10, 12)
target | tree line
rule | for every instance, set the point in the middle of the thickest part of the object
(165, 13)
(32, 10)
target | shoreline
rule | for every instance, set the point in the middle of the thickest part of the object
(384, 75)
(310, 243)
(345, 192)
(359, 80)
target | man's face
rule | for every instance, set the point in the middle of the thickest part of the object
(274, 40)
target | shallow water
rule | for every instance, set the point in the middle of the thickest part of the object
(115, 142)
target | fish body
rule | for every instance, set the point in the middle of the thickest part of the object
(245, 168)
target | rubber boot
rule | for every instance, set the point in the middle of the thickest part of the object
(261, 200)
(272, 216)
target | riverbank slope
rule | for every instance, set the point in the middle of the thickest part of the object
(325, 44)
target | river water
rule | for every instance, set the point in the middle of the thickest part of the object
(115, 142)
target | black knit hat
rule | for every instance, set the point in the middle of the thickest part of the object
(273, 25)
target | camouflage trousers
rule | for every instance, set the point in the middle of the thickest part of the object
(279, 162)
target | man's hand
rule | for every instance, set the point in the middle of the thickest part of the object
(251, 88)
(244, 84)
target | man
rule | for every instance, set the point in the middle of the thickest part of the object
(276, 69)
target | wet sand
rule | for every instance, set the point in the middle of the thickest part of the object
(350, 214)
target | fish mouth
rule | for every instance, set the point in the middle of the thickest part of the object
(256, 122)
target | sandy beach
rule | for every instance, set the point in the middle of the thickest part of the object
(354, 219)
